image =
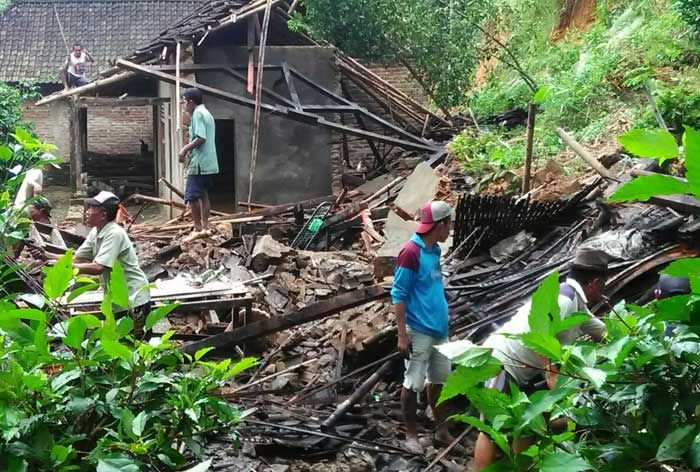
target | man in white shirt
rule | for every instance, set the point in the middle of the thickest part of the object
(582, 289)
(73, 72)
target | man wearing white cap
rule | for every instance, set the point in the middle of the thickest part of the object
(420, 306)
(107, 243)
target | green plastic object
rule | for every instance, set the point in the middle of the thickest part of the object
(315, 225)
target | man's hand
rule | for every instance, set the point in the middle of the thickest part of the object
(36, 252)
(403, 344)
(183, 154)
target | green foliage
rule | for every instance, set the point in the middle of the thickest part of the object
(690, 12)
(660, 144)
(95, 398)
(629, 402)
(437, 40)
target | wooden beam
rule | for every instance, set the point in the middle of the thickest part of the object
(279, 110)
(86, 88)
(315, 311)
(585, 155)
(76, 147)
(290, 86)
(116, 102)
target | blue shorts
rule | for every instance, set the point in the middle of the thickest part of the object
(196, 186)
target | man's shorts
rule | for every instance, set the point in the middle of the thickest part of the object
(425, 362)
(75, 81)
(196, 186)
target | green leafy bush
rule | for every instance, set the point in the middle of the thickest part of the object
(690, 11)
(628, 403)
(83, 394)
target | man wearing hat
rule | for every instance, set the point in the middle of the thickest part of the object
(107, 243)
(582, 289)
(420, 306)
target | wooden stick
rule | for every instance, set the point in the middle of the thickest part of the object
(357, 395)
(271, 376)
(585, 155)
(86, 88)
(258, 97)
(178, 111)
(386, 188)
(531, 112)
(448, 448)
(172, 188)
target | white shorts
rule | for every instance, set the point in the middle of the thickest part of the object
(425, 362)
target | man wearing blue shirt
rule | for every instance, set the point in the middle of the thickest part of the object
(420, 306)
(203, 163)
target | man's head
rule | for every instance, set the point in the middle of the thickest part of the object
(669, 286)
(590, 270)
(435, 221)
(77, 49)
(101, 209)
(193, 97)
(40, 209)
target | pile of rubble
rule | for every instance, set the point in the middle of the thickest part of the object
(313, 280)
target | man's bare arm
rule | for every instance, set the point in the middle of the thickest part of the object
(400, 313)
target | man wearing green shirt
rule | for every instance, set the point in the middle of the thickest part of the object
(108, 243)
(202, 164)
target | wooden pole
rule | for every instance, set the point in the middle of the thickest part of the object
(258, 97)
(585, 155)
(85, 88)
(76, 151)
(531, 113)
(178, 111)
(357, 395)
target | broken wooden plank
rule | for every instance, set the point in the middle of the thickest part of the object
(313, 312)
(585, 155)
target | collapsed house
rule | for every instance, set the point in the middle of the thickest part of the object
(315, 123)
(35, 36)
(307, 291)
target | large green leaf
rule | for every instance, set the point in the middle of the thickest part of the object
(569, 322)
(676, 443)
(561, 461)
(117, 286)
(647, 186)
(686, 267)
(691, 144)
(117, 463)
(462, 379)
(655, 143)
(542, 402)
(489, 401)
(543, 344)
(116, 350)
(596, 376)
(541, 94)
(26, 314)
(499, 438)
(545, 305)
(5, 153)
(159, 313)
(240, 366)
(139, 423)
(58, 277)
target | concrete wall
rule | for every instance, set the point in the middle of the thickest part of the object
(294, 158)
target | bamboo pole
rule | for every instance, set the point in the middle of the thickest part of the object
(531, 113)
(585, 155)
(258, 97)
(86, 88)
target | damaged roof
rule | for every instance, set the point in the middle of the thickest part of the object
(32, 47)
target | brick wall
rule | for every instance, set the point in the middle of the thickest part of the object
(111, 130)
(117, 130)
(359, 150)
(51, 123)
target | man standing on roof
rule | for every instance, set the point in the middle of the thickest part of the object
(582, 289)
(420, 306)
(73, 72)
(200, 160)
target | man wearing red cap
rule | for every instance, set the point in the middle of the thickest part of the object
(420, 306)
